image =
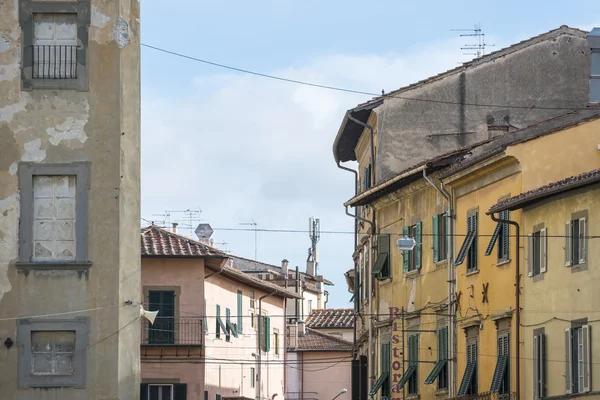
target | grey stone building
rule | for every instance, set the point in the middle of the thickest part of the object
(69, 199)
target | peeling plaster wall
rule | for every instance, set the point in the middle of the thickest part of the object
(102, 126)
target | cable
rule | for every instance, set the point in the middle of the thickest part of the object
(61, 313)
(340, 89)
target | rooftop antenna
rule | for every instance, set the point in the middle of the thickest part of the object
(190, 216)
(254, 224)
(479, 36)
(314, 232)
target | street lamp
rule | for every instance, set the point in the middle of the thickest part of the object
(340, 393)
(406, 243)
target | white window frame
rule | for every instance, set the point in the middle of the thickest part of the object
(160, 392)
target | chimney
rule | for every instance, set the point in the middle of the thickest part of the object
(301, 330)
(593, 41)
(175, 227)
(284, 267)
(497, 123)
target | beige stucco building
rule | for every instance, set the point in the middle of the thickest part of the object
(69, 199)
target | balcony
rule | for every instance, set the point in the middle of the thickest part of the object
(172, 338)
(488, 396)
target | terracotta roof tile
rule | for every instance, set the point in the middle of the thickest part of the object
(160, 242)
(573, 182)
(318, 341)
(331, 318)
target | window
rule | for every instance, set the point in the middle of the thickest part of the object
(160, 392)
(367, 178)
(468, 249)
(411, 260)
(383, 382)
(252, 377)
(205, 319)
(175, 391)
(577, 353)
(52, 353)
(240, 316)
(440, 237)
(265, 335)
(501, 378)
(162, 331)
(537, 259)
(217, 397)
(231, 328)
(381, 270)
(276, 341)
(309, 306)
(539, 364)
(55, 40)
(53, 221)
(440, 370)
(468, 385)
(410, 375)
(575, 242)
(502, 236)
(252, 299)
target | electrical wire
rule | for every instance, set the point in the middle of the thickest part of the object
(354, 91)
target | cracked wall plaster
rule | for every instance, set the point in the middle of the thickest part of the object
(8, 111)
(8, 72)
(99, 20)
(71, 129)
(33, 151)
(121, 33)
(4, 44)
(7, 206)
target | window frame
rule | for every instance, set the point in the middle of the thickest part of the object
(440, 239)
(539, 364)
(26, 172)
(471, 255)
(82, 10)
(26, 379)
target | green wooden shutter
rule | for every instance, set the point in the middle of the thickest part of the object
(217, 326)
(240, 319)
(405, 254)
(144, 391)
(205, 317)
(436, 233)
(180, 391)
(506, 236)
(227, 324)
(267, 333)
(419, 246)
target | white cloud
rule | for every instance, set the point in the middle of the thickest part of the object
(243, 147)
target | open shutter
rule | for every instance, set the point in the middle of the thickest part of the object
(530, 255)
(267, 333)
(543, 250)
(144, 391)
(586, 358)
(240, 316)
(180, 391)
(217, 319)
(568, 362)
(582, 240)
(494, 238)
(506, 236)
(536, 367)
(568, 244)
(205, 317)
(436, 239)
(419, 245)
(405, 253)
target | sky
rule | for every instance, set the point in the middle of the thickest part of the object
(242, 148)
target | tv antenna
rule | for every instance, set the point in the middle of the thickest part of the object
(190, 216)
(480, 45)
(254, 224)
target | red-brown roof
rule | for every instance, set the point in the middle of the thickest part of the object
(318, 341)
(331, 318)
(266, 286)
(159, 242)
(551, 189)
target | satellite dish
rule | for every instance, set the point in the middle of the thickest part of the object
(149, 315)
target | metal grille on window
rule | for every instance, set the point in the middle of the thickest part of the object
(54, 47)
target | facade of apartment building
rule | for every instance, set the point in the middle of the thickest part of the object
(69, 199)
(245, 336)
(173, 347)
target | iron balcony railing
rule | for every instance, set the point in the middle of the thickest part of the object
(171, 331)
(488, 396)
(54, 61)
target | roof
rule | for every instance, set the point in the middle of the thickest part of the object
(349, 133)
(319, 341)
(546, 191)
(412, 174)
(331, 318)
(159, 242)
(253, 266)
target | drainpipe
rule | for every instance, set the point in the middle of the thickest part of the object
(259, 372)
(302, 372)
(517, 299)
(451, 289)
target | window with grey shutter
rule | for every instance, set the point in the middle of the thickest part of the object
(469, 247)
(539, 366)
(568, 244)
(382, 268)
(501, 377)
(468, 384)
(568, 362)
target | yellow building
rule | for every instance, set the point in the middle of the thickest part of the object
(559, 266)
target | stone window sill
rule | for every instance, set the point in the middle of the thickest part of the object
(472, 273)
(384, 281)
(441, 393)
(412, 273)
(412, 396)
(503, 262)
(76, 266)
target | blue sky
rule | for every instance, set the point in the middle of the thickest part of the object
(241, 147)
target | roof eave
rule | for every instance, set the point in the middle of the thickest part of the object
(343, 131)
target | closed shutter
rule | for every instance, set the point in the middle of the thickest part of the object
(582, 240)
(267, 334)
(144, 391)
(180, 391)
(568, 362)
(227, 325)
(530, 255)
(217, 325)
(240, 317)
(536, 367)
(568, 243)
(419, 245)
(586, 358)
(505, 236)
(436, 238)
(205, 317)
(405, 254)
(542, 346)
(543, 250)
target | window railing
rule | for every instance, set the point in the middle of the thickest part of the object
(54, 62)
(170, 331)
(488, 396)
